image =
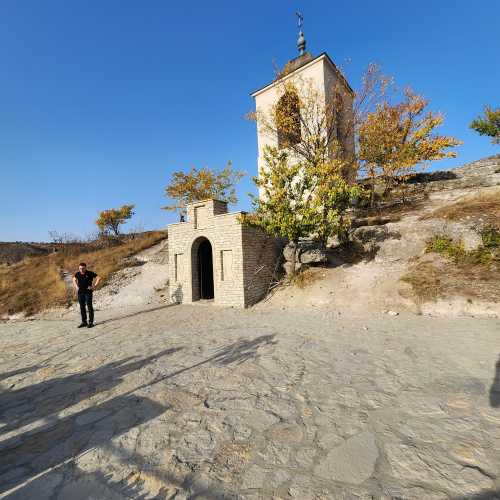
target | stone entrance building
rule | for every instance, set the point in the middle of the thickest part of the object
(213, 256)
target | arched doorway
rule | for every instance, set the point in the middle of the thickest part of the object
(202, 269)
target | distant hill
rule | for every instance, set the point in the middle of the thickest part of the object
(12, 252)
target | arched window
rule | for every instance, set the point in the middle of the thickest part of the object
(288, 120)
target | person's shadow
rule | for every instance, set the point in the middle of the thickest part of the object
(52, 444)
(495, 387)
(43, 400)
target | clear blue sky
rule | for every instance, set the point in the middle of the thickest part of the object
(101, 100)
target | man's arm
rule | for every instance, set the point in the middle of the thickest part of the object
(95, 282)
(75, 284)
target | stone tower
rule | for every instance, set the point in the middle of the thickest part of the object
(319, 73)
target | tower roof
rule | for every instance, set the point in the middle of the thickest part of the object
(300, 62)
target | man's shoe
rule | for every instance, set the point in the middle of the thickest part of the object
(90, 325)
(82, 325)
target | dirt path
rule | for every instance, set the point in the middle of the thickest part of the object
(203, 402)
(143, 283)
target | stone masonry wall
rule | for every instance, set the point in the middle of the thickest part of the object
(224, 233)
(243, 257)
(260, 255)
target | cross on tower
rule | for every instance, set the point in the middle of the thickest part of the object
(300, 19)
(301, 41)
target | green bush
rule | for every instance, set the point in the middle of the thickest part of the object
(491, 237)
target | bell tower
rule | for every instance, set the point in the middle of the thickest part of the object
(305, 71)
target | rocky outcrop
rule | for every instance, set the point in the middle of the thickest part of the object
(481, 173)
(307, 253)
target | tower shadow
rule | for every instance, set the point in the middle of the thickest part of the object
(495, 387)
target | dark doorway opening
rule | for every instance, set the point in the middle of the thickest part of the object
(206, 270)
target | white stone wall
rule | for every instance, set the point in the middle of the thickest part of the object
(236, 251)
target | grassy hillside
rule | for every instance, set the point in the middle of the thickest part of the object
(36, 283)
(12, 252)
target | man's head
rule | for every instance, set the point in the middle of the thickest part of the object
(82, 267)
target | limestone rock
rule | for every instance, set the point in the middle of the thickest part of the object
(306, 252)
(287, 266)
(288, 252)
(352, 462)
(392, 313)
(410, 464)
(365, 234)
(313, 256)
(468, 236)
(253, 477)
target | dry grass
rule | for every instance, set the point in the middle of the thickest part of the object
(305, 278)
(31, 285)
(449, 270)
(442, 279)
(484, 208)
(35, 283)
(108, 260)
(426, 281)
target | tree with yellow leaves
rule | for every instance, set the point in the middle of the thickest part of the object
(109, 221)
(196, 185)
(331, 197)
(394, 139)
(306, 183)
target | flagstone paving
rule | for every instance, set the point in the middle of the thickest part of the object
(209, 403)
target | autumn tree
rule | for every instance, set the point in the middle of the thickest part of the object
(109, 221)
(302, 199)
(331, 197)
(395, 138)
(201, 184)
(283, 208)
(489, 124)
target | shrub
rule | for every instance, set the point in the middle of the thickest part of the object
(486, 254)
(446, 247)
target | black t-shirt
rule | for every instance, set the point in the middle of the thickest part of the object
(84, 280)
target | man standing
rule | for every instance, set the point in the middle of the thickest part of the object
(82, 281)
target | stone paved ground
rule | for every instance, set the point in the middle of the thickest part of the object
(199, 402)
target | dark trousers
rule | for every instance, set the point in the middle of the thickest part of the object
(85, 299)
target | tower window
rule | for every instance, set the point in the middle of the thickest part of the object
(288, 120)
